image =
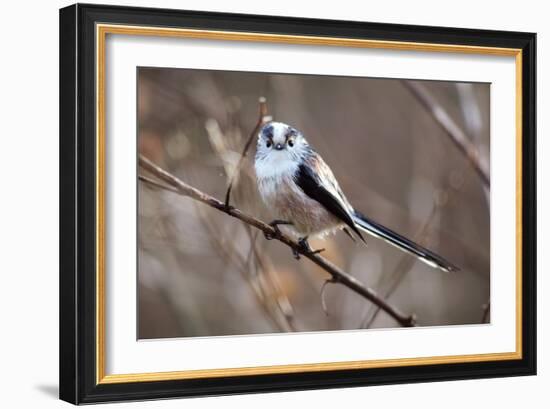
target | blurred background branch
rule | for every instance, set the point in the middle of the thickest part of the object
(451, 128)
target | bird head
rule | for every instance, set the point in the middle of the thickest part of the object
(279, 140)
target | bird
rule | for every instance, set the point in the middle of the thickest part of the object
(300, 190)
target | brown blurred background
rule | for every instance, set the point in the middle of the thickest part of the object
(202, 273)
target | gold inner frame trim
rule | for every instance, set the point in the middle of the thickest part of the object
(101, 33)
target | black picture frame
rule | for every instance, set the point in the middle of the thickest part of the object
(78, 360)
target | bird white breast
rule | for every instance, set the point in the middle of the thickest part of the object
(285, 199)
(275, 165)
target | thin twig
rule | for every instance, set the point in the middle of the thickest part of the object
(262, 119)
(486, 312)
(323, 288)
(450, 127)
(157, 185)
(336, 273)
(402, 268)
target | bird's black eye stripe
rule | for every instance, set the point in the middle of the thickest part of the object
(268, 132)
(289, 136)
(268, 144)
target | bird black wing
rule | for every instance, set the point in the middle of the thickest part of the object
(312, 185)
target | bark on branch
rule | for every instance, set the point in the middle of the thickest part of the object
(337, 275)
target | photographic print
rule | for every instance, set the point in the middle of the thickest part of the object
(383, 184)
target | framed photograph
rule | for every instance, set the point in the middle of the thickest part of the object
(257, 203)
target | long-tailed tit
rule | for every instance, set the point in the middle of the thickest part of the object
(301, 191)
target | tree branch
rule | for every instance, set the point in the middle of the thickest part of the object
(337, 275)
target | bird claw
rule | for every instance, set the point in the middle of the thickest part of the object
(228, 208)
(275, 225)
(271, 236)
(306, 249)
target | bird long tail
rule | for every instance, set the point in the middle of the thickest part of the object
(423, 254)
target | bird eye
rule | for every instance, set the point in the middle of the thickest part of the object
(268, 144)
(291, 142)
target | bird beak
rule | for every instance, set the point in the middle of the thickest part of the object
(279, 147)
